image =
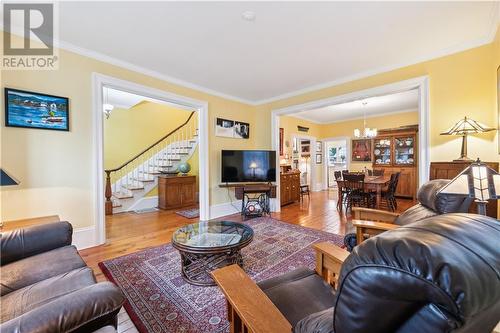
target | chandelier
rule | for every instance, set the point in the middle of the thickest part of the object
(367, 132)
(106, 107)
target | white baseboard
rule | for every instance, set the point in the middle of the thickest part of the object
(84, 237)
(144, 203)
(227, 208)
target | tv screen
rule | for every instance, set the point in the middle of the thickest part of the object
(248, 166)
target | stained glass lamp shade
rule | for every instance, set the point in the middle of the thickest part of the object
(463, 128)
(477, 181)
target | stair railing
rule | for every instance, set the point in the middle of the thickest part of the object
(150, 160)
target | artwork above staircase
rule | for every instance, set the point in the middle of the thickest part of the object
(128, 185)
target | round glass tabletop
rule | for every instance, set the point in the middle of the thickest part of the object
(213, 234)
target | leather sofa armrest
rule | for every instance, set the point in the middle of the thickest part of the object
(84, 310)
(329, 260)
(21, 243)
(369, 214)
(249, 308)
(370, 228)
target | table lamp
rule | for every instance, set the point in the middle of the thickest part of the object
(253, 166)
(477, 181)
(463, 128)
(6, 179)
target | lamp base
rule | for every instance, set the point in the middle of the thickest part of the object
(463, 159)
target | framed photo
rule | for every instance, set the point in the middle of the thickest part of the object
(319, 158)
(498, 105)
(361, 150)
(319, 146)
(36, 110)
(282, 138)
(232, 129)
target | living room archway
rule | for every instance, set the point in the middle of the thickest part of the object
(419, 83)
(100, 81)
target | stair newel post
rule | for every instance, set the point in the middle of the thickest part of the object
(108, 205)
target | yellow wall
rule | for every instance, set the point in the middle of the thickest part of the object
(460, 84)
(56, 168)
(346, 128)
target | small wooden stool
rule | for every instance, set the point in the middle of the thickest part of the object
(304, 190)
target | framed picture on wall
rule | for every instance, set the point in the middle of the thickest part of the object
(361, 150)
(36, 110)
(232, 129)
(498, 105)
(282, 138)
(319, 146)
(319, 158)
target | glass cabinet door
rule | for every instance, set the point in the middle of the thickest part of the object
(404, 150)
(382, 151)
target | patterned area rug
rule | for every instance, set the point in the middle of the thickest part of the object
(189, 213)
(159, 300)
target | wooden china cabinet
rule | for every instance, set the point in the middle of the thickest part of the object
(395, 150)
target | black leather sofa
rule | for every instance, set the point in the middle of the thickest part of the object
(430, 203)
(47, 287)
(440, 274)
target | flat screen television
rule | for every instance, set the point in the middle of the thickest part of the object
(248, 166)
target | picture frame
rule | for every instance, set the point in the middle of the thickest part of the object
(319, 158)
(29, 109)
(232, 129)
(282, 139)
(361, 150)
(319, 146)
(498, 105)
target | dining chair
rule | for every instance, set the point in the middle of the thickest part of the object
(356, 195)
(378, 172)
(389, 196)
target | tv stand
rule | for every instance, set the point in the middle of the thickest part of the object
(255, 200)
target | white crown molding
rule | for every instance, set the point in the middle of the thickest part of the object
(486, 39)
(354, 118)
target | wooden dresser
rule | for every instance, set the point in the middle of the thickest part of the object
(289, 187)
(448, 170)
(176, 191)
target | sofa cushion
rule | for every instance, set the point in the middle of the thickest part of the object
(299, 293)
(25, 272)
(318, 322)
(25, 299)
(428, 196)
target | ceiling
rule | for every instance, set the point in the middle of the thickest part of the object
(290, 47)
(374, 106)
(125, 100)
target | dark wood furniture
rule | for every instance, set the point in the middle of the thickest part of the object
(255, 201)
(304, 190)
(448, 170)
(376, 183)
(290, 187)
(395, 150)
(206, 246)
(176, 191)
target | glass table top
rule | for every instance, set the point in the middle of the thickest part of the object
(212, 234)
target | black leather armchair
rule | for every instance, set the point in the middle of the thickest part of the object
(47, 287)
(369, 222)
(441, 274)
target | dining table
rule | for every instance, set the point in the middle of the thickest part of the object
(374, 183)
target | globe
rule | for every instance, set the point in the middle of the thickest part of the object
(184, 167)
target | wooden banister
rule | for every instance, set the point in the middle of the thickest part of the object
(151, 146)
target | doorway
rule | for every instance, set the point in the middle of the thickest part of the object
(420, 84)
(199, 109)
(337, 159)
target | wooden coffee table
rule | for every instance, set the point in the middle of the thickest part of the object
(206, 246)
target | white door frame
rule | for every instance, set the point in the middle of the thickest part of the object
(99, 81)
(421, 83)
(312, 160)
(325, 154)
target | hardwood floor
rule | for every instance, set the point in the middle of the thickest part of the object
(130, 232)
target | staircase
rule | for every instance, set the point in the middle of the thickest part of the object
(130, 182)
